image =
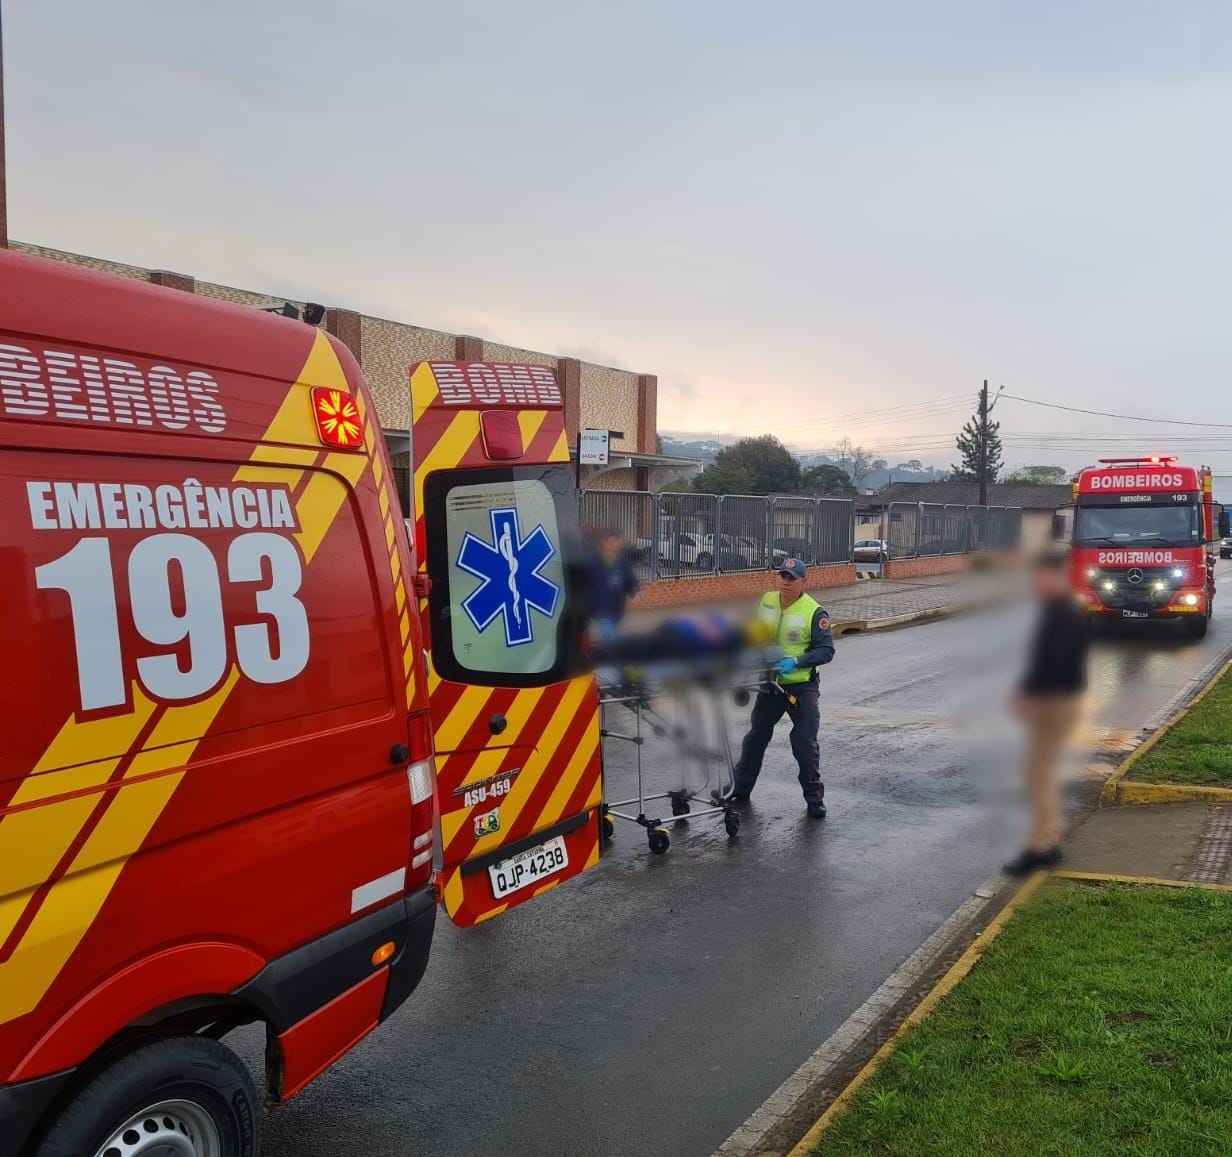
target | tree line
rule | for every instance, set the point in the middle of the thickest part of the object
(763, 465)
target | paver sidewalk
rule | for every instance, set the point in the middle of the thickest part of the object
(875, 603)
(1177, 841)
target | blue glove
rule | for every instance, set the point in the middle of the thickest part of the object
(785, 665)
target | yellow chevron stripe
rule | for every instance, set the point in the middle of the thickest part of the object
(448, 451)
(546, 745)
(451, 890)
(572, 776)
(461, 718)
(486, 764)
(73, 903)
(560, 452)
(529, 422)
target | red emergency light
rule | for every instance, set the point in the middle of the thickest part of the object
(337, 418)
(1153, 460)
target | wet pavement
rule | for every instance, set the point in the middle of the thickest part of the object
(652, 1005)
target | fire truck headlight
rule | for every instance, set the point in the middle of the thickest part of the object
(1108, 586)
(1191, 600)
(1090, 572)
(1159, 586)
(1178, 572)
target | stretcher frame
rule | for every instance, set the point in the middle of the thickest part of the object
(689, 735)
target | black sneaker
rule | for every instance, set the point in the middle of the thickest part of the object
(817, 811)
(727, 796)
(1028, 861)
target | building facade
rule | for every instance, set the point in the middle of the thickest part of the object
(596, 397)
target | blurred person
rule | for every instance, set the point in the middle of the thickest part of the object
(1049, 703)
(800, 627)
(612, 583)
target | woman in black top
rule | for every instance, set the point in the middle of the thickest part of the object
(1049, 702)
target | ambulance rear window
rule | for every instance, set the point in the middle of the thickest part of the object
(501, 549)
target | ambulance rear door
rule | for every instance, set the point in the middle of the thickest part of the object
(513, 709)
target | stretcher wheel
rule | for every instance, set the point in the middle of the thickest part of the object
(609, 828)
(731, 821)
(659, 841)
(680, 806)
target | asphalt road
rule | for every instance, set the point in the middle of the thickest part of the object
(651, 1006)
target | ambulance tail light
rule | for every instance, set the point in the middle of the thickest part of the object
(419, 773)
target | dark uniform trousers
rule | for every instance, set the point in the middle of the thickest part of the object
(805, 716)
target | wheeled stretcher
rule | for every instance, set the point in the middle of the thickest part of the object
(683, 691)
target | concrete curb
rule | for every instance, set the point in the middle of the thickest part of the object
(1118, 791)
(931, 615)
(961, 967)
(1145, 881)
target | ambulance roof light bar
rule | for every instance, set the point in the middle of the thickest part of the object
(1153, 460)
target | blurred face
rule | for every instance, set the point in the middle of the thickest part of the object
(611, 547)
(790, 588)
(1047, 582)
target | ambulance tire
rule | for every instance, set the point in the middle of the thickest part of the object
(175, 1086)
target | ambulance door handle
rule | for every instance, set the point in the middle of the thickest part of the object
(497, 723)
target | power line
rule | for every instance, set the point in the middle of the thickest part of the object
(1108, 414)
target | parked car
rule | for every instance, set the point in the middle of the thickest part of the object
(1225, 548)
(801, 548)
(871, 550)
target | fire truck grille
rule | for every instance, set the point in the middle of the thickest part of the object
(1135, 589)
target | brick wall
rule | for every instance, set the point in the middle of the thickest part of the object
(720, 588)
(902, 568)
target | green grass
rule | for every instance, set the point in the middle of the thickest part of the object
(1198, 750)
(1099, 1022)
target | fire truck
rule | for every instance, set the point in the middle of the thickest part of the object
(1143, 538)
(255, 733)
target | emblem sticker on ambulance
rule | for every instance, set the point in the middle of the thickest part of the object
(511, 585)
(337, 418)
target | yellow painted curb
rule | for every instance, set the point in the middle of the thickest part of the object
(1111, 792)
(943, 987)
(1147, 881)
(1133, 793)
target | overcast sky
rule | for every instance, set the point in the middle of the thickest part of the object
(799, 215)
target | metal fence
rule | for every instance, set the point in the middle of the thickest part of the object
(919, 529)
(672, 535)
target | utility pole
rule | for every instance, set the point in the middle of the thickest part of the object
(984, 444)
(4, 215)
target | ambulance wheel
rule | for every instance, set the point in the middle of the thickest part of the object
(609, 828)
(731, 821)
(659, 841)
(680, 806)
(188, 1096)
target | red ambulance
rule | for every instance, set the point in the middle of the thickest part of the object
(1142, 546)
(251, 736)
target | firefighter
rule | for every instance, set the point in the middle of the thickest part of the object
(800, 627)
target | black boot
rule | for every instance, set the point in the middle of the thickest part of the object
(1029, 860)
(817, 810)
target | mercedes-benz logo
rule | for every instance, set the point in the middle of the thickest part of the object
(1134, 575)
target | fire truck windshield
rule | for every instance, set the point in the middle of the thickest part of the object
(1145, 525)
